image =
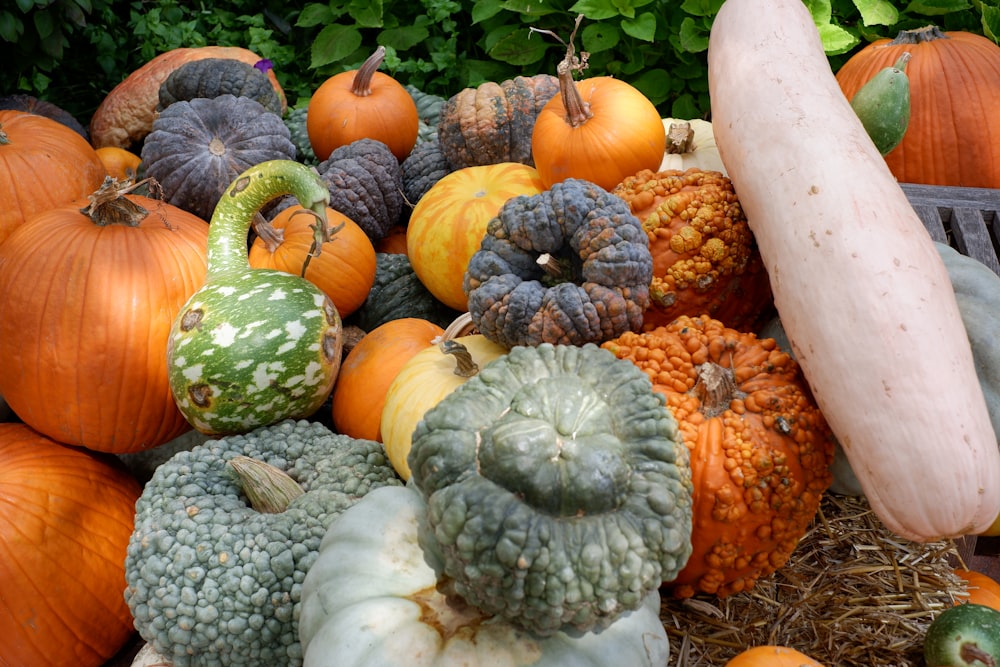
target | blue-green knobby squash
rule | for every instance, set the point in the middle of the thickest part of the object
(375, 597)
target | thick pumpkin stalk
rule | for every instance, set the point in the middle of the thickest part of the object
(269, 489)
(362, 86)
(577, 111)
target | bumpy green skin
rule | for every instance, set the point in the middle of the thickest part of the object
(883, 105)
(967, 635)
(397, 293)
(558, 487)
(254, 346)
(604, 253)
(212, 582)
(295, 121)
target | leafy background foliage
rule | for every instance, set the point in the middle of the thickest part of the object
(72, 52)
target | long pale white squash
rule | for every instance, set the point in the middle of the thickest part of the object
(859, 286)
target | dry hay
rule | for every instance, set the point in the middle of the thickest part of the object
(852, 594)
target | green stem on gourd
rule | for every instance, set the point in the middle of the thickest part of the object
(269, 489)
(245, 196)
(362, 84)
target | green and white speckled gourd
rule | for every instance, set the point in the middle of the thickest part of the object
(254, 346)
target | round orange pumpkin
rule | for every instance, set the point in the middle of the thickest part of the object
(760, 449)
(43, 164)
(983, 589)
(120, 163)
(599, 129)
(953, 136)
(345, 267)
(772, 656)
(126, 114)
(89, 298)
(705, 259)
(362, 104)
(67, 519)
(449, 222)
(369, 369)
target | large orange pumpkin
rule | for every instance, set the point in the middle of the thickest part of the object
(705, 259)
(953, 136)
(449, 222)
(344, 268)
(66, 517)
(369, 369)
(43, 164)
(126, 114)
(90, 292)
(982, 588)
(362, 104)
(599, 129)
(760, 449)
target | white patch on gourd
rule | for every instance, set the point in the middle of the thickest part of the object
(225, 290)
(240, 365)
(193, 373)
(278, 295)
(224, 334)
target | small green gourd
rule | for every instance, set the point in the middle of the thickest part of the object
(255, 346)
(966, 635)
(883, 105)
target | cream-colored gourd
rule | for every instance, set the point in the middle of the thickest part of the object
(861, 289)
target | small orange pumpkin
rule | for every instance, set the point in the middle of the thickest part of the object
(772, 656)
(599, 129)
(43, 164)
(760, 449)
(362, 104)
(369, 369)
(90, 292)
(344, 268)
(120, 163)
(67, 519)
(983, 589)
(448, 223)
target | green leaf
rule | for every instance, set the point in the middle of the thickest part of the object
(641, 27)
(877, 12)
(821, 11)
(334, 43)
(693, 38)
(314, 14)
(484, 10)
(938, 7)
(595, 10)
(836, 40)
(654, 84)
(991, 22)
(517, 49)
(403, 38)
(534, 9)
(701, 7)
(366, 13)
(10, 27)
(599, 37)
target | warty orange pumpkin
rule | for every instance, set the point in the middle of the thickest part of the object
(90, 291)
(43, 164)
(66, 521)
(760, 449)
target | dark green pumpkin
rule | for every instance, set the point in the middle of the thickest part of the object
(398, 293)
(570, 265)
(424, 167)
(211, 77)
(493, 122)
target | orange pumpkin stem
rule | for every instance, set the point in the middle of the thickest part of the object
(4, 139)
(577, 111)
(269, 489)
(715, 388)
(108, 205)
(464, 365)
(680, 138)
(362, 84)
(918, 35)
(271, 236)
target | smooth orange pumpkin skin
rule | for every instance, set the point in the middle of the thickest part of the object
(119, 163)
(85, 318)
(953, 136)
(43, 164)
(760, 457)
(344, 269)
(337, 116)
(448, 223)
(126, 114)
(67, 519)
(983, 589)
(772, 656)
(369, 369)
(394, 242)
(624, 136)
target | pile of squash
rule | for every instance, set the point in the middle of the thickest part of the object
(204, 259)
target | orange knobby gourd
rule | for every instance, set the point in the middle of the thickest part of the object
(90, 292)
(953, 135)
(447, 225)
(43, 164)
(362, 104)
(344, 268)
(369, 369)
(67, 519)
(760, 449)
(599, 129)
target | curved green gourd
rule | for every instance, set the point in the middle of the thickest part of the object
(254, 346)
(883, 105)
